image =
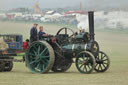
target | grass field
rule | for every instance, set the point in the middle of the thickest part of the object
(115, 44)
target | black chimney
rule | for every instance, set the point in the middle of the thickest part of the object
(91, 24)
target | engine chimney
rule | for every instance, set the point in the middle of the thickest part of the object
(91, 24)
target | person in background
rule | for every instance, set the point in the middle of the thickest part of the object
(41, 33)
(81, 30)
(33, 33)
(26, 44)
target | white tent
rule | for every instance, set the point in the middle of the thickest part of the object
(56, 15)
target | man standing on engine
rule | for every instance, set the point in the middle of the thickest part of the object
(33, 33)
(41, 33)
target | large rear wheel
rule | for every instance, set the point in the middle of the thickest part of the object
(40, 57)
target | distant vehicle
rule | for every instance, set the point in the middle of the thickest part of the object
(10, 45)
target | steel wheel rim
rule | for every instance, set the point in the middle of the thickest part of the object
(8, 66)
(2, 65)
(85, 62)
(102, 62)
(65, 29)
(38, 57)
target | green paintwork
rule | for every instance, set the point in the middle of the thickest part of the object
(78, 48)
(74, 48)
(80, 36)
(37, 57)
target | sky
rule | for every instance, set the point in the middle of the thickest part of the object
(7, 4)
(97, 4)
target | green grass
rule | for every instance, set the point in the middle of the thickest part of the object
(114, 44)
(24, 28)
(115, 31)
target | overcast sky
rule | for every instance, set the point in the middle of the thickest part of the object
(9, 4)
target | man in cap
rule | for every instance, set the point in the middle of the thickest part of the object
(33, 33)
(41, 33)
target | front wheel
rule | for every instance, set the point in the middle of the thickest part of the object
(85, 62)
(102, 62)
(8, 66)
(2, 65)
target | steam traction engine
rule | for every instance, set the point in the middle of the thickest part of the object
(56, 53)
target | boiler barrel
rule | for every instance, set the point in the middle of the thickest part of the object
(73, 49)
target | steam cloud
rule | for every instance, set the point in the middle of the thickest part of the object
(106, 5)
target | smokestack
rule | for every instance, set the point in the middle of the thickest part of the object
(91, 24)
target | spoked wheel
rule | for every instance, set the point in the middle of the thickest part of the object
(85, 62)
(8, 66)
(66, 31)
(40, 57)
(2, 65)
(102, 62)
(61, 68)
